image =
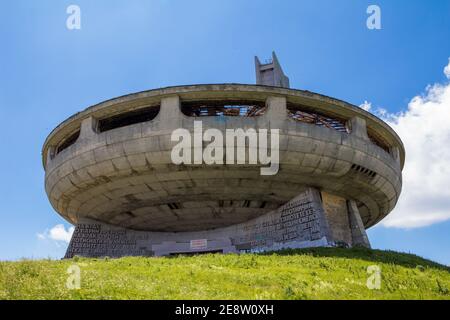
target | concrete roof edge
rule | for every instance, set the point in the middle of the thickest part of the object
(204, 87)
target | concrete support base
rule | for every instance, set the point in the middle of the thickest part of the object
(312, 219)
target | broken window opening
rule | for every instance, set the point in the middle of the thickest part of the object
(68, 142)
(306, 115)
(128, 118)
(223, 108)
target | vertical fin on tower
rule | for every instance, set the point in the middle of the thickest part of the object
(270, 73)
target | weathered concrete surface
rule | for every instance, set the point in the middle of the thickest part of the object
(358, 232)
(125, 177)
(300, 223)
(337, 216)
(271, 74)
(320, 103)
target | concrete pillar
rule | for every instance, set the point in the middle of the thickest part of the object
(259, 80)
(170, 113)
(88, 128)
(358, 128)
(50, 154)
(316, 200)
(276, 112)
(359, 235)
(395, 152)
(336, 212)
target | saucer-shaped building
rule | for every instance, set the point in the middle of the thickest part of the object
(109, 171)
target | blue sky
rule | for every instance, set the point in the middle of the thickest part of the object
(48, 72)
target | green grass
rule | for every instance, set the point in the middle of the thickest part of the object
(325, 273)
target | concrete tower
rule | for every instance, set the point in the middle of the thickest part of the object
(271, 73)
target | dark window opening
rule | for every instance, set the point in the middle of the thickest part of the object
(173, 205)
(377, 140)
(307, 115)
(130, 214)
(128, 118)
(360, 169)
(223, 108)
(68, 142)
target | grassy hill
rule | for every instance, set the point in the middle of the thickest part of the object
(325, 273)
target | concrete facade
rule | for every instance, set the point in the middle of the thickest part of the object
(121, 183)
(302, 222)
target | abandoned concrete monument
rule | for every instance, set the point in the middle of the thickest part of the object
(109, 171)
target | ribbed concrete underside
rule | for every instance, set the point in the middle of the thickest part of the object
(310, 219)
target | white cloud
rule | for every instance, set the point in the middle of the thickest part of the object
(425, 130)
(366, 106)
(447, 70)
(58, 233)
(380, 112)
